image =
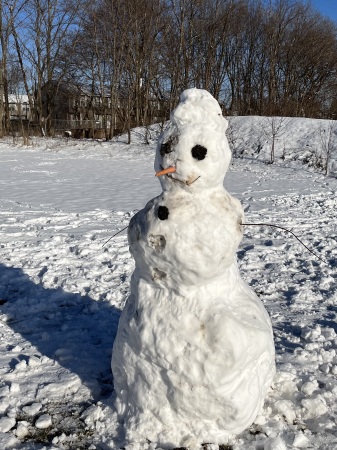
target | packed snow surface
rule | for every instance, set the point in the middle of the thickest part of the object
(62, 289)
(194, 353)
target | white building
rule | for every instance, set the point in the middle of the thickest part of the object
(19, 107)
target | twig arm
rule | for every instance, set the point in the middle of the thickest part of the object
(289, 231)
(115, 235)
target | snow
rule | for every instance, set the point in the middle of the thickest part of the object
(43, 422)
(62, 289)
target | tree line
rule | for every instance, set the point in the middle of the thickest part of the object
(256, 57)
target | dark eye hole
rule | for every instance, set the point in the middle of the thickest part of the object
(168, 147)
(199, 152)
(165, 148)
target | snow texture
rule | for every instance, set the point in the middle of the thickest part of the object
(194, 353)
(62, 286)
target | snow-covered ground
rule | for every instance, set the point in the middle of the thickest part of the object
(62, 286)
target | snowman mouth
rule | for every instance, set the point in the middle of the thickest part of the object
(192, 180)
(171, 170)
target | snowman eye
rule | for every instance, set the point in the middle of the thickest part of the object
(168, 146)
(199, 152)
(165, 148)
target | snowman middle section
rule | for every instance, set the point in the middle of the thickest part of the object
(185, 239)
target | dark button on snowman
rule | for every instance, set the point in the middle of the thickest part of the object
(194, 353)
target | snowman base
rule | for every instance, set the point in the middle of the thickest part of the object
(198, 367)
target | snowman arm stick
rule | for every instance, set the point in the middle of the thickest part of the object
(289, 231)
(115, 235)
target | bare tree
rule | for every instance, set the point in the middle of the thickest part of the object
(275, 57)
(8, 11)
(41, 31)
(274, 128)
(328, 143)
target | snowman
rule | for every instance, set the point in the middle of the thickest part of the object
(194, 352)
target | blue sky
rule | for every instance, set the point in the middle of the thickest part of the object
(326, 7)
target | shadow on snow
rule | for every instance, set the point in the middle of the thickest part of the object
(74, 330)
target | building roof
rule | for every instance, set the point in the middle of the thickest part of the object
(18, 98)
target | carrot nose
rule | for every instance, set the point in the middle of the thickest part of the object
(171, 169)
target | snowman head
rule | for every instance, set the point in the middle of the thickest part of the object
(193, 152)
